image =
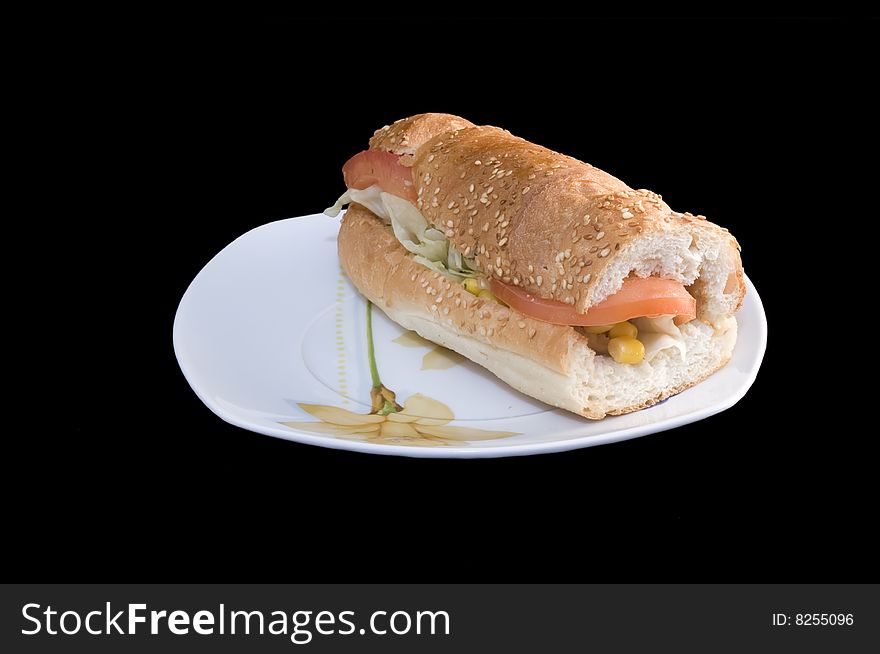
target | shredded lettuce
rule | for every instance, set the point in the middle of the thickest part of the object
(411, 229)
(429, 245)
(369, 197)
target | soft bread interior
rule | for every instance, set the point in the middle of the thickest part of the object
(706, 260)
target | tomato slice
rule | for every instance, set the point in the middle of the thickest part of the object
(639, 296)
(383, 168)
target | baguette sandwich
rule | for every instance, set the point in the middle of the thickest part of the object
(555, 276)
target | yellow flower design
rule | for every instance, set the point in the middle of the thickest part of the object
(421, 422)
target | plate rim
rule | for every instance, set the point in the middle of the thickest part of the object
(456, 452)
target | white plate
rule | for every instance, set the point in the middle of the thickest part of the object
(271, 323)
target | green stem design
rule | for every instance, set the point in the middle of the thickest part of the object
(371, 352)
(383, 400)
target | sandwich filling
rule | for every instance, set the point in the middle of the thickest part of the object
(631, 326)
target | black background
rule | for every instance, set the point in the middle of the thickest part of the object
(209, 128)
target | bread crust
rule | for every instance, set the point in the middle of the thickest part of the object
(386, 274)
(530, 216)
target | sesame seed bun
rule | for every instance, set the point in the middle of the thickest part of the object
(555, 226)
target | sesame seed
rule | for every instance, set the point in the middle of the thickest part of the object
(499, 272)
(521, 324)
(497, 261)
(605, 252)
(539, 279)
(490, 189)
(458, 301)
(526, 190)
(502, 241)
(532, 176)
(449, 223)
(451, 204)
(486, 227)
(463, 173)
(430, 158)
(531, 332)
(471, 188)
(450, 233)
(600, 236)
(433, 307)
(586, 278)
(482, 331)
(477, 162)
(484, 199)
(456, 211)
(436, 190)
(628, 214)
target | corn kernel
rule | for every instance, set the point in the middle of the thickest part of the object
(471, 286)
(624, 329)
(486, 294)
(626, 350)
(597, 329)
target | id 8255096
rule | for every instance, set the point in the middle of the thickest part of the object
(812, 619)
